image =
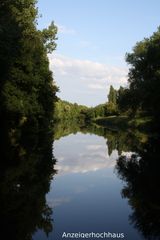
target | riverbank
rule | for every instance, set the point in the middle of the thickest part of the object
(125, 122)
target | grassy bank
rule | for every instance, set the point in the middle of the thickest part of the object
(124, 122)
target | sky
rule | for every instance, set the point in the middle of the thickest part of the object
(93, 38)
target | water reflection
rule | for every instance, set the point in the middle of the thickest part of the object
(88, 154)
(25, 175)
(85, 194)
(137, 165)
(141, 175)
(122, 141)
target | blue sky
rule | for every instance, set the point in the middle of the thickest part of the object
(93, 37)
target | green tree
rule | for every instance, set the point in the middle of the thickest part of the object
(111, 106)
(112, 96)
(27, 90)
(144, 76)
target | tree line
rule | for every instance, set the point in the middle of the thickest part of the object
(65, 110)
(141, 97)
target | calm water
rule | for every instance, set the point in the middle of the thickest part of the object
(85, 195)
(89, 180)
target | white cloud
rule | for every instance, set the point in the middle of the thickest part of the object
(96, 86)
(84, 77)
(94, 147)
(65, 30)
(88, 71)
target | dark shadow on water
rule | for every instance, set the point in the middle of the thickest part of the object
(141, 174)
(27, 168)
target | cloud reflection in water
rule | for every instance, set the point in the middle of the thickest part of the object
(86, 156)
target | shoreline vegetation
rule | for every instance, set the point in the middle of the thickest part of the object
(74, 114)
(125, 122)
(133, 107)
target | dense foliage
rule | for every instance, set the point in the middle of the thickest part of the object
(27, 90)
(143, 93)
(109, 108)
(66, 111)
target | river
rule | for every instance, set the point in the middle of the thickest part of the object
(88, 182)
(87, 194)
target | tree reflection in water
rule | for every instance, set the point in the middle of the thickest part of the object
(27, 168)
(141, 172)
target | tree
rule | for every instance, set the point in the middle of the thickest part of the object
(144, 75)
(27, 90)
(112, 96)
(127, 101)
(111, 105)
